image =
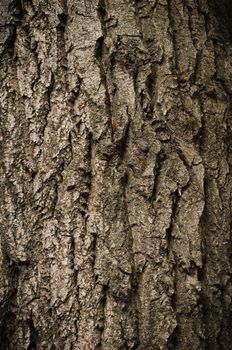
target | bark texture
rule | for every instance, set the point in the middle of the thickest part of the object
(116, 155)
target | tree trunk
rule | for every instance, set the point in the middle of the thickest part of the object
(116, 139)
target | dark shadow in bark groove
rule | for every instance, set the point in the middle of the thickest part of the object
(8, 318)
(7, 327)
(101, 326)
(122, 143)
(222, 9)
(8, 46)
(173, 339)
(16, 8)
(161, 156)
(99, 48)
(33, 336)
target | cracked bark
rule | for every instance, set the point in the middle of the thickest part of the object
(115, 175)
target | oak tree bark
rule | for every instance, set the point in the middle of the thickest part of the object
(116, 155)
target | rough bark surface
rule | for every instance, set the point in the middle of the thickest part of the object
(116, 155)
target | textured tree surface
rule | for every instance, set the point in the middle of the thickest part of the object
(116, 156)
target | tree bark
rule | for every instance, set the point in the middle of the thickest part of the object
(116, 141)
